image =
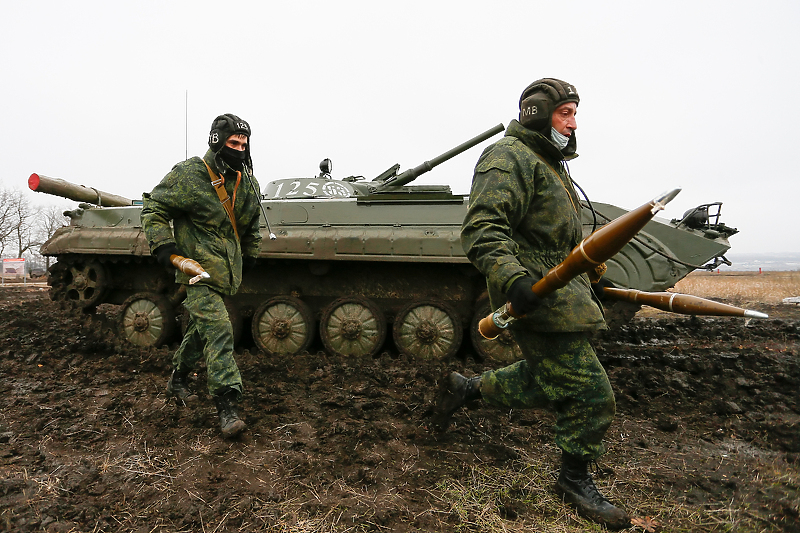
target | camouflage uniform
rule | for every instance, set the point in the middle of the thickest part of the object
(204, 233)
(523, 219)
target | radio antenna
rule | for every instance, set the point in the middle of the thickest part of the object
(272, 236)
(186, 124)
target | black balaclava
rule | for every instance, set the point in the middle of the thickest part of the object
(221, 129)
(539, 100)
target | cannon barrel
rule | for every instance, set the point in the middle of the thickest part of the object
(414, 173)
(79, 193)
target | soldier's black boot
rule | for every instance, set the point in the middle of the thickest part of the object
(229, 421)
(577, 487)
(456, 390)
(178, 387)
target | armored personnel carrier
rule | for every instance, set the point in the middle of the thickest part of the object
(355, 263)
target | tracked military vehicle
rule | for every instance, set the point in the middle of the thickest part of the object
(355, 263)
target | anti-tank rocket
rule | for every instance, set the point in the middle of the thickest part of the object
(189, 266)
(675, 302)
(597, 248)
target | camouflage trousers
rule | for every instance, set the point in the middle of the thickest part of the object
(209, 335)
(560, 371)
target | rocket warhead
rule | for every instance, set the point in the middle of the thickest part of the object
(660, 201)
(201, 275)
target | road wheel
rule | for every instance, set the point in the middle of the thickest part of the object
(353, 326)
(83, 284)
(283, 326)
(147, 319)
(427, 329)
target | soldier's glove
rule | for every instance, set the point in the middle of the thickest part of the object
(523, 299)
(600, 286)
(164, 251)
(248, 263)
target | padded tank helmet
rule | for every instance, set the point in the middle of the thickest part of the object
(540, 99)
(222, 128)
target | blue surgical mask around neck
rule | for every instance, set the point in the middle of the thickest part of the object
(560, 140)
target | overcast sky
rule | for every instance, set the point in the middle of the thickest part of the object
(701, 95)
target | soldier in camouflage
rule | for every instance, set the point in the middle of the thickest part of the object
(524, 219)
(204, 231)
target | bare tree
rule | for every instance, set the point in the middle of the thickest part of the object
(20, 228)
(6, 219)
(24, 227)
(49, 220)
(24, 217)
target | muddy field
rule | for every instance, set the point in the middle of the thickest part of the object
(706, 437)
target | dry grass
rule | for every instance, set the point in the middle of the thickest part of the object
(481, 500)
(765, 287)
(488, 499)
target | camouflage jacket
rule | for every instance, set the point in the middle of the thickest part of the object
(202, 229)
(523, 219)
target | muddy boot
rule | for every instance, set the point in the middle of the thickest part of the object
(455, 391)
(178, 387)
(229, 421)
(575, 484)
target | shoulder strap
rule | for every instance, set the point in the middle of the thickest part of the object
(224, 199)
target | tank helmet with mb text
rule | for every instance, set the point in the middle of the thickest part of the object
(223, 127)
(540, 99)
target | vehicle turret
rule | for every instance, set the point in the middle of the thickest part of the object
(390, 178)
(387, 183)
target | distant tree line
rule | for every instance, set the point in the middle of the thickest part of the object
(24, 227)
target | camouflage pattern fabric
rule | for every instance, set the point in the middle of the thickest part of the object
(202, 229)
(209, 335)
(522, 220)
(561, 371)
(203, 232)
